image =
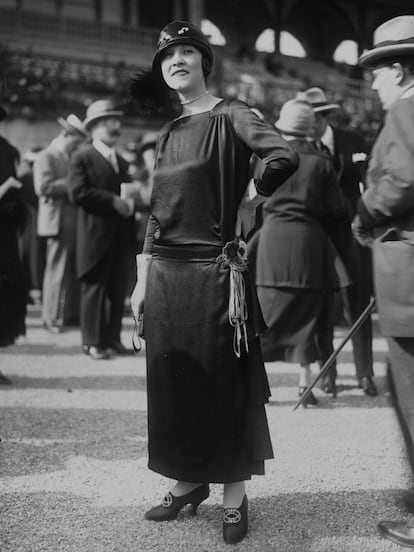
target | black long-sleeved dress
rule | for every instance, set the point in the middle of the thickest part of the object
(206, 416)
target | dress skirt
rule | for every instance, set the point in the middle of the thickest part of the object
(295, 318)
(206, 414)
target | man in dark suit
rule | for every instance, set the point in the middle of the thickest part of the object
(105, 232)
(349, 153)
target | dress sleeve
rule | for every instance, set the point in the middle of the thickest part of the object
(280, 159)
(152, 228)
(391, 194)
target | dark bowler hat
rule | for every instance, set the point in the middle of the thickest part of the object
(181, 32)
(395, 37)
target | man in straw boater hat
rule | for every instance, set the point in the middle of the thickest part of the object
(385, 212)
(56, 222)
(105, 232)
(348, 150)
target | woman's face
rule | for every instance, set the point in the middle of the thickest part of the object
(182, 69)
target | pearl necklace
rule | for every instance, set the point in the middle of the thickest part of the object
(186, 102)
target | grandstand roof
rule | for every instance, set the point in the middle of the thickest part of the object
(320, 25)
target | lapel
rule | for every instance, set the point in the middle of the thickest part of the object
(102, 161)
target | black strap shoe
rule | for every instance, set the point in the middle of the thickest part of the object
(171, 505)
(235, 523)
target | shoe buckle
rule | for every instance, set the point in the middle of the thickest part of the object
(232, 516)
(167, 500)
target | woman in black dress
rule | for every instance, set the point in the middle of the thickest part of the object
(205, 376)
(296, 261)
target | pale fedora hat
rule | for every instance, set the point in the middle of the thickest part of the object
(317, 98)
(296, 118)
(73, 124)
(100, 109)
(394, 37)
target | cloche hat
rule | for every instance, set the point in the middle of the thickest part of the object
(394, 37)
(316, 97)
(73, 124)
(100, 109)
(181, 32)
(296, 118)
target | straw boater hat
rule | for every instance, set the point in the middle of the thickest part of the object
(101, 109)
(296, 118)
(392, 38)
(316, 97)
(73, 124)
(181, 32)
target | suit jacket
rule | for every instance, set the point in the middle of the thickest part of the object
(387, 207)
(349, 160)
(389, 198)
(93, 185)
(50, 174)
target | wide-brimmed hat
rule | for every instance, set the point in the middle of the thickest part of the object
(296, 118)
(100, 109)
(392, 38)
(317, 98)
(73, 124)
(181, 32)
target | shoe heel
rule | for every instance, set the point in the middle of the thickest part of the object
(193, 508)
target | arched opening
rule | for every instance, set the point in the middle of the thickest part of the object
(213, 33)
(289, 45)
(346, 52)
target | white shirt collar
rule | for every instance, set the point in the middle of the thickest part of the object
(107, 152)
(103, 149)
(328, 139)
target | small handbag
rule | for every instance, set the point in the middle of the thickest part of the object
(138, 332)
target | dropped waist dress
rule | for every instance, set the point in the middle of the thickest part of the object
(206, 414)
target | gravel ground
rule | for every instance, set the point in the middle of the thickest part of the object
(73, 473)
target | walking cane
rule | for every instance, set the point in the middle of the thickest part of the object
(355, 327)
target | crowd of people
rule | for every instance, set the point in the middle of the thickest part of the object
(60, 229)
(259, 240)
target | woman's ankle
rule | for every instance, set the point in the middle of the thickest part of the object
(233, 494)
(183, 487)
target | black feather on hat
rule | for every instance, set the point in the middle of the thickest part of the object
(151, 96)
